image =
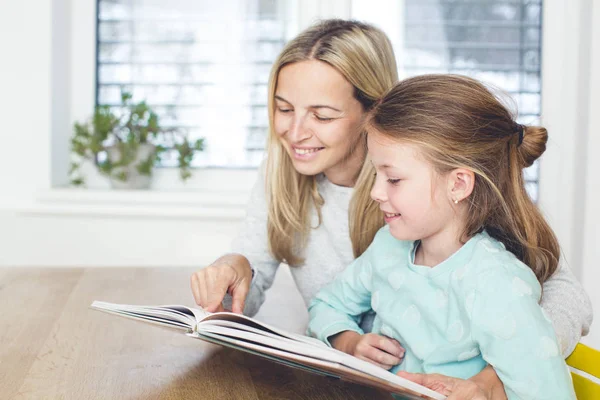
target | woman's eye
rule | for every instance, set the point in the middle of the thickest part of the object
(393, 181)
(322, 118)
(284, 110)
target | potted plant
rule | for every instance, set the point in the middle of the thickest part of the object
(126, 147)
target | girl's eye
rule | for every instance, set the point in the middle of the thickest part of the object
(322, 118)
(284, 110)
(393, 181)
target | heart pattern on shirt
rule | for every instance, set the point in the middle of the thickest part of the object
(547, 348)
(375, 301)
(467, 355)
(396, 279)
(455, 332)
(412, 315)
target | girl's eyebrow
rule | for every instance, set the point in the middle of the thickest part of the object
(383, 166)
(317, 106)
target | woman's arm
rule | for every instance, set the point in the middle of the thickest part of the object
(250, 252)
(568, 306)
(253, 242)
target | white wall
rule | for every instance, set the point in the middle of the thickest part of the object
(45, 84)
(590, 275)
(570, 171)
(24, 98)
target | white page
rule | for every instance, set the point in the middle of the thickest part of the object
(159, 311)
(242, 319)
(334, 363)
(148, 319)
(319, 353)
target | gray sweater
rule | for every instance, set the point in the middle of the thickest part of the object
(329, 251)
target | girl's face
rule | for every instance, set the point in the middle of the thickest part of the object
(409, 191)
(318, 121)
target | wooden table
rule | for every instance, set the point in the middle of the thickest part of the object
(53, 346)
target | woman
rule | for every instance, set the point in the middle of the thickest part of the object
(301, 209)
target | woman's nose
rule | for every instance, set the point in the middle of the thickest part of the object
(298, 130)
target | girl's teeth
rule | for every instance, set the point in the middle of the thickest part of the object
(391, 215)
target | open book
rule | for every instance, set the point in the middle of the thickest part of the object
(249, 335)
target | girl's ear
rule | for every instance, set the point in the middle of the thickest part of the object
(460, 184)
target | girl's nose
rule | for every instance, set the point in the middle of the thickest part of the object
(378, 191)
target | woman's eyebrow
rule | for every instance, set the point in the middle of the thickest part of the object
(282, 99)
(325, 106)
(317, 106)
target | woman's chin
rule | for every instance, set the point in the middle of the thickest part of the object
(309, 169)
(311, 166)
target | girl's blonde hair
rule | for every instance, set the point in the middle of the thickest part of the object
(459, 123)
(363, 55)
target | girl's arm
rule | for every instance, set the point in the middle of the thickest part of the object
(515, 336)
(338, 306)
(568, 306)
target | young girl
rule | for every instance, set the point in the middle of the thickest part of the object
(448, 275)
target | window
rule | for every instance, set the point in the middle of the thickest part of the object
(495, 41)
(202, 65)
(498, 42)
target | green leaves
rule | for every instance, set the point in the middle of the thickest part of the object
(112, 140)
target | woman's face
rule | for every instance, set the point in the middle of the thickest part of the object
(318, 121)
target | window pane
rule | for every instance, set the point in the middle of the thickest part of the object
(202, 65)
(497, 42)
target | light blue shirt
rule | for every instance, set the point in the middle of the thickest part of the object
(477, 307)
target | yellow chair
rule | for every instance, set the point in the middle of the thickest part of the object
(585, 369)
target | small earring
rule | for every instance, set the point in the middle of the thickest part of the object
(455, 201)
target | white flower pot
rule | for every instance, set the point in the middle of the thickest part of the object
(134, 180)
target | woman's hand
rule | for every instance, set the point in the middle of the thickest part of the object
(376, 349)
(228, 274)
(484, 386)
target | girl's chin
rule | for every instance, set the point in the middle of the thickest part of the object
(402, 234)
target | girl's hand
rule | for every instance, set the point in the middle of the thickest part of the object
(484, 386)
(376, 349)
(228, 274)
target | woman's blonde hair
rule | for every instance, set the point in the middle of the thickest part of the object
(363, 55)
(458, 123)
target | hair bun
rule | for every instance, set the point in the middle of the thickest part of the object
(532, 145)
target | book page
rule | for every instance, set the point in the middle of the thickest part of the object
(382, 380)
(161, 314)
(244, 320)
(296, 350)
(244, 333)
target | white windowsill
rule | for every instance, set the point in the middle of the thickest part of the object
(138, 203)
(209, 194)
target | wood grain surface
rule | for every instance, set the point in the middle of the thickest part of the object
(53, 346)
